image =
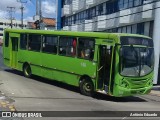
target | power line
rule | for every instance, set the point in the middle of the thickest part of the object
(11, 10)
(33, 3)
(22, 9)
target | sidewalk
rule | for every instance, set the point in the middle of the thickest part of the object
(6, 107)
(155, 91)
(6, 103)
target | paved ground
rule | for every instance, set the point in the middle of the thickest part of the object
(39, 94)
(155, 91)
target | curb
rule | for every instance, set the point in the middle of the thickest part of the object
(6, 106)
(155, 93)
(6, 103)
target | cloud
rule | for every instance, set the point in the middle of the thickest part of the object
(3, 14)
(30, 19)
(49, 8)
(8, 3)
(11, 3)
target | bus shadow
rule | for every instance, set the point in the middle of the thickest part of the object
(97, 96)
(13, 71)
(47, 81)
(57, 83)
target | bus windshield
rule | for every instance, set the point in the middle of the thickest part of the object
(136, 61)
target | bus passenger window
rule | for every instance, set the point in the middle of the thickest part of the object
(67, 46)
(6, 39)
(34, 43)
(86, 48)
(23, 41)
(50, 44)
(74, 44)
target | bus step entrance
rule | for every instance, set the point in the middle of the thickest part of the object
(106, 88)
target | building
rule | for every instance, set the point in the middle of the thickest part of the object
(124, 16)
(45, 24)
(5, 23)
(31, 25)
(48, 23)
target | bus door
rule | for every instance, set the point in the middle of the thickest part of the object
(105, 56)
(14, 50)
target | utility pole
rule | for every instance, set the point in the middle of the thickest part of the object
(38, 16)
(22, 8)
(11, 16)
(38, 8)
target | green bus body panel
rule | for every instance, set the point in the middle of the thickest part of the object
(101, 35)
(70, 69)
(6, 56)
(138, 85)
(10, 54)
(66, 69)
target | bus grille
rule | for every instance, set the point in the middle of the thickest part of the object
(138, 83)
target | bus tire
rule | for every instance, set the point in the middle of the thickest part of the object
(27, 70)
(86, 87)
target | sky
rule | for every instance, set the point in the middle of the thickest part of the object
(48, 9)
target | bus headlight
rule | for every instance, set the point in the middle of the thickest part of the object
(150, 83)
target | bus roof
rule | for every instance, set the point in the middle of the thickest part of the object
(101, 35)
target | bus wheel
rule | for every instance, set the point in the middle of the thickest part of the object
(27, 71)
(86, 87)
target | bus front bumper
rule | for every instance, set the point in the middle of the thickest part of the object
(122, 92)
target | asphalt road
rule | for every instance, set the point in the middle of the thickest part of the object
(39, 94)
(2, 66)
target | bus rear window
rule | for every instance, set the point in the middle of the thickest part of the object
(6, 39)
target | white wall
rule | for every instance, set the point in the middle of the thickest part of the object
(6, 24)
(156, 38)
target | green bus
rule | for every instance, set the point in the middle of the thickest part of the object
(111, 63)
